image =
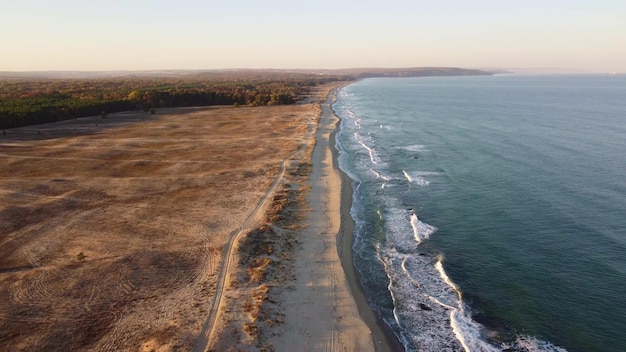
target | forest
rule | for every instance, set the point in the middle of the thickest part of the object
(33, 101)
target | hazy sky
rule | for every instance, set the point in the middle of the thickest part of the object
(192, 34)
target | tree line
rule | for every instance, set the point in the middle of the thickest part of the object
(29, 102)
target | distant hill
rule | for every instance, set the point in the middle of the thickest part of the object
(411, 72)
(248, 73)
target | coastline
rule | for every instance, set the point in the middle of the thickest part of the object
(383, 337)
(311, 296)
(320, 312)
(219, 294)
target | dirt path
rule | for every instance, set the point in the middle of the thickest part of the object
(253, 220)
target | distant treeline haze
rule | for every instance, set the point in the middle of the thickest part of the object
(30, 102)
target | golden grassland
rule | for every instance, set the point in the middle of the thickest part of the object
(112, 231)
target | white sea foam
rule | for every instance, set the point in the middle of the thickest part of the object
(371, 151)
(404, 230)
(415, 178)
(467, 331)
(427, 305)
(444, 276)
(425, 324)
(414, 148)
(382, 177)
(349, 115)
(398, 226)
(428, 308)
(421, 231)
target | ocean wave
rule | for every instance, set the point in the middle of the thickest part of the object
(423, 316)
(421, 231)
(383, 177)
(415, 178)
(418, 178)
(370, 150)
(428, 307)
(430, 312)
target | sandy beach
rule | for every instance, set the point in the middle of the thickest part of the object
(323, 314)
(290, 288)
(192, 229)
(311, 297)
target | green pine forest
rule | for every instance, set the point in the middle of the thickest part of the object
(26, 102)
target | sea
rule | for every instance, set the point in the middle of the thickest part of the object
(490, 211)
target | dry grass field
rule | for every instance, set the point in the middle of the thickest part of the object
(112, 231)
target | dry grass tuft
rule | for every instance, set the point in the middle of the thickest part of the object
(258, 270)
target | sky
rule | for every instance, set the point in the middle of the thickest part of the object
(85, 35)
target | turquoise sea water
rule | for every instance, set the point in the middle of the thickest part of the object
(491, 211)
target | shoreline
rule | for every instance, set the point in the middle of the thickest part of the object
(316, 309)
(310, 295)
(383, 337)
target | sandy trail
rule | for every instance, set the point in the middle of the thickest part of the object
(253, 220)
